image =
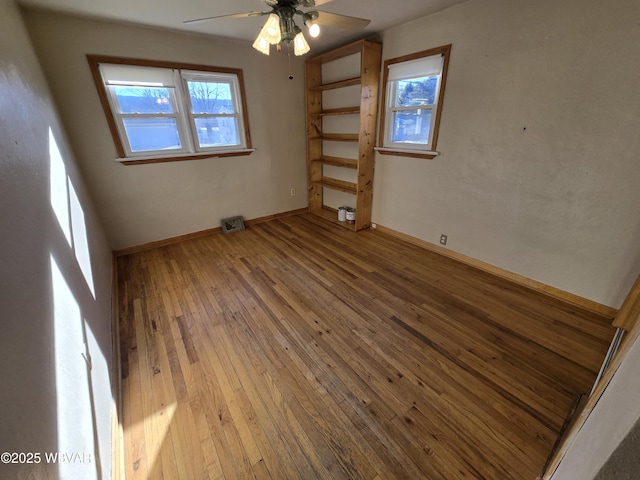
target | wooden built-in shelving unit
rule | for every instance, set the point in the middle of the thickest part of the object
(364, 109)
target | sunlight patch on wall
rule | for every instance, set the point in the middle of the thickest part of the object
(69, 211)
(80, 242)
(58, 190)
(74, 416)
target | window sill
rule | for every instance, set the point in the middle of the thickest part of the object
(180, 158)
(428, 154)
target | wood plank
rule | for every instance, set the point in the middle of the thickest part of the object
(337, 111)
(135, 461)
(336, 184)
(367, 132)
(151, 412)
(299, 349)
(336, 137)
(313, 78)
(338, 161)
(339, 84)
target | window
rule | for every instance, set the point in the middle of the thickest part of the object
(159, 111)
(413, 93)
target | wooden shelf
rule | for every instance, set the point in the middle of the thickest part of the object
(336, 184)
(338, 111)
(338, 162)
(368, 66)
(331, 214)
(342, 83)
(338, 137)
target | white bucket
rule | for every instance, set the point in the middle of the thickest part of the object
(342, 214)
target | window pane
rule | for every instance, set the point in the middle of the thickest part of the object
(143, 99)
(147, 134)
(412, 126)
(217, 131)
(416, 91)
(210, 97)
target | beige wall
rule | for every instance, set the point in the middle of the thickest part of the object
(539, 139)
(140, 204)
(55, 281)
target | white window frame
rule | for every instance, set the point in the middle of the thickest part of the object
(428, 63)
(109, 72)
(232, 80)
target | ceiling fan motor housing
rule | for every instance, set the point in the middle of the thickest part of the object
(286, 10)
(288, 26)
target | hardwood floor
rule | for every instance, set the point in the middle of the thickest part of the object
(299, 349)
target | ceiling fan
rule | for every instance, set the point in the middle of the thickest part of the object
(281, 26)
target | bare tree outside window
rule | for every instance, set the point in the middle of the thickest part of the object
(419, 91)
(209, 97)
(210, 103)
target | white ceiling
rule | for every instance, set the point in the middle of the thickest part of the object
(171, 13)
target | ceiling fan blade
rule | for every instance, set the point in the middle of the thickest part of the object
(341, 21)
(312, 3)
(233, 15)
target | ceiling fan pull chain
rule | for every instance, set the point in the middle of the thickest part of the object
(289, 56)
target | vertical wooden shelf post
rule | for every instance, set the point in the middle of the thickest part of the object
(313, 79)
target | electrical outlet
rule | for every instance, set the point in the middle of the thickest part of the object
(443, 239)
(293, 192)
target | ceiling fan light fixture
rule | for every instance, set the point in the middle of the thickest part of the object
(309, 20)
(280, 27)
(300, 45)
(314, 29)
(271, 29)
(261, 44)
